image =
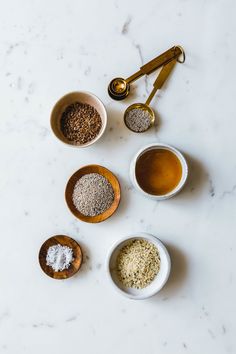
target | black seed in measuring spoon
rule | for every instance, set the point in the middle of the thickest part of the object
(93, 194)
(138, 120)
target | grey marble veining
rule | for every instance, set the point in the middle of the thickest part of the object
(50, 48)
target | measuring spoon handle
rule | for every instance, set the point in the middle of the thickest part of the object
(161, 78)
(155, 63)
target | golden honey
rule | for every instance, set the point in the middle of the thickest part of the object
(158, 171)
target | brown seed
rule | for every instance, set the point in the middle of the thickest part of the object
(80, 123)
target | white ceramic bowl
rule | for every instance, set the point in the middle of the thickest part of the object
(158, 282)
(159, 146)
(65, 101)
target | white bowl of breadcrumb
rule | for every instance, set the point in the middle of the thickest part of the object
(138, 266)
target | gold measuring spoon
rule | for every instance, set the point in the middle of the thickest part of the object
(119, 88)
(139, 117)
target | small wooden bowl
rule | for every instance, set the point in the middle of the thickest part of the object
(70, 188)
(64, 241)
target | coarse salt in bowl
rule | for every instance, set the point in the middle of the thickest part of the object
(68, 99)
(158, 282)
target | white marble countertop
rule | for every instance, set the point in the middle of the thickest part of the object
(49, 48)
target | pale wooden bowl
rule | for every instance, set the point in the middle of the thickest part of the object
(65, 101)
(64, 241)
(110, 177)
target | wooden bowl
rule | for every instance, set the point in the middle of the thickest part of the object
(70, 188)
(65, 101)
(64, 241)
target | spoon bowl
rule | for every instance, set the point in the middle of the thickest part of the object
(118, 88)
(143, 107)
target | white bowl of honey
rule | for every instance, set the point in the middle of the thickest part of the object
(159, 171)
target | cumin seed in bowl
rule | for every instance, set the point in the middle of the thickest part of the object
(79, 119)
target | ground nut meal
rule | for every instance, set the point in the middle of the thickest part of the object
(138, 263)
(93, 194)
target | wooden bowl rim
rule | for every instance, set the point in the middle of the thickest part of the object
(107, 213)
(66, 273)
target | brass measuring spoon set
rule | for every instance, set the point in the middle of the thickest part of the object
(119, 88)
